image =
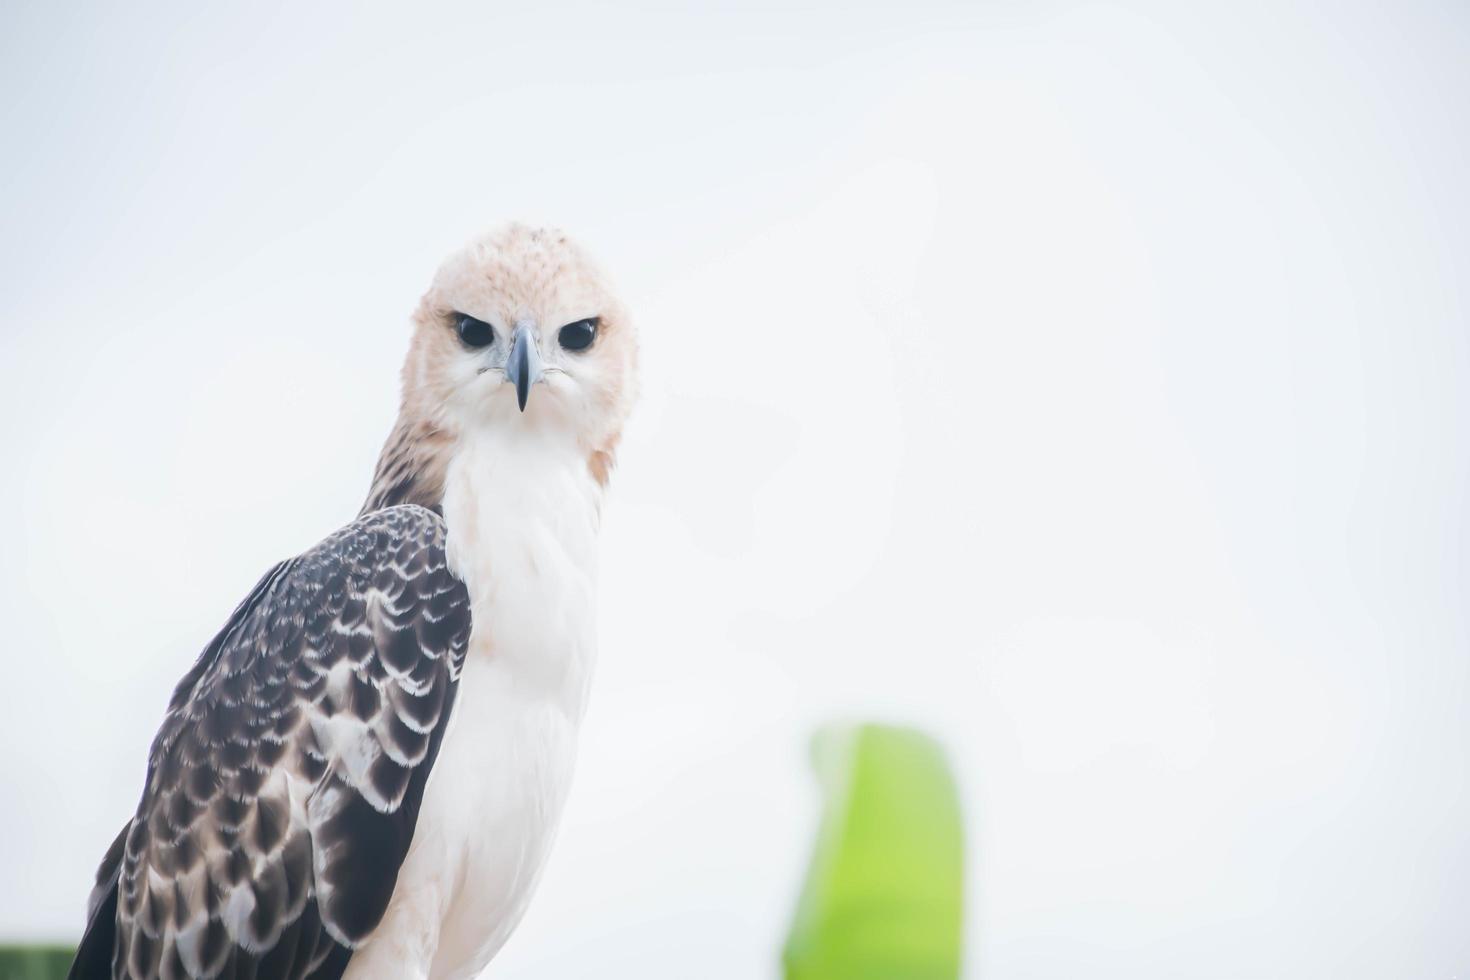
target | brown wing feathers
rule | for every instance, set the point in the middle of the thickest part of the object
(285, 781)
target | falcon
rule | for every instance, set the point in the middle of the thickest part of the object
(361, 775)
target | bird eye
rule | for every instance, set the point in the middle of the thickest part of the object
(579, 335)
(474, 333)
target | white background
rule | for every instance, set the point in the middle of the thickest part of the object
(1085, 384)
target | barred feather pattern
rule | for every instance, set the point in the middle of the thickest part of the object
(285, 781)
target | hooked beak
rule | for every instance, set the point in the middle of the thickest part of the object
(523, 366)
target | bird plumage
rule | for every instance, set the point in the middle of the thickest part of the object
(284, 784)
(362, 773)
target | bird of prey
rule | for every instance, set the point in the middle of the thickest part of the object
(361, 774)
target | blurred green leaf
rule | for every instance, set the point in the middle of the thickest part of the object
(34, 962)
(884, 894)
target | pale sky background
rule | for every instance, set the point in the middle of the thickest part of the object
(1087, 384)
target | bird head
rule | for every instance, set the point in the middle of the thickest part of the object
(521, 331)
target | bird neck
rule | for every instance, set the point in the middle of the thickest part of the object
(411, 468)
(523, 510)
(522, 484)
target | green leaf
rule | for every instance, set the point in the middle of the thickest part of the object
(35, 962)
(884, 896)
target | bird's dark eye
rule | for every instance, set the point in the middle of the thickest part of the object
(579, 335)
(474, 333)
